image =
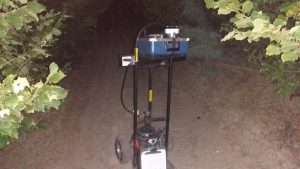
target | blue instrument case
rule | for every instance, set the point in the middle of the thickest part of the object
(158, 47)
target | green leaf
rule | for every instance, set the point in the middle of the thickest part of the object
(9, 127)
(287, 90)
(247, 7)
(285, 7)
(228, 36)
(41, 101)
(39, 51)
(35, 7)
(290, 8)
(56, 32)
(209, 3)
(259, 25)
(272, 50)
(11, 101)
(56, 92)
(3, 141)
(4, 27)
(53, 68)
(2, 62)
(54, 104)
(27, 32)
(55, 78)
(281, 20)
(49, 96)
(4, 2)
(30, 108)
(15, 21)
(239, 36)
(296, 32)
(33, 15)
(259, 15)
(226, 6)
(243, 23)
(27, 124)
(289, 56)
(23, 1)
(224, 11)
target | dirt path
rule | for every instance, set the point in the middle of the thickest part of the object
(229, 120)
(224, 118)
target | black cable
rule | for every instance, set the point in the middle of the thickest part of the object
(126, 70)
(144, 28)
(122, 89)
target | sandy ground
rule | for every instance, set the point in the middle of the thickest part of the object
(223, 117)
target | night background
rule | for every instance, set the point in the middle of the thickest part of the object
(227, 111)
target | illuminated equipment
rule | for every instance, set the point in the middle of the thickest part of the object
(148, 145)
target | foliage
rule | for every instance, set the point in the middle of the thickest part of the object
(278, 24)
(167, 11)
(27, 30)
(80, 31)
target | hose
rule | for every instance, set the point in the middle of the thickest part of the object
(122, 90)
(126, 70)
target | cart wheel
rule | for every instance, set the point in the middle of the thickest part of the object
(122, 149)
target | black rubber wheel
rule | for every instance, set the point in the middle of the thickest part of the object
(123, 149)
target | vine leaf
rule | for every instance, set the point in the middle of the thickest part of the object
(228, 36)
(12, 101)
(35, 7)
(240, 36)
(272, 50)
(27, 29)
(56, 77)
(280, 21)
(4, 27)
(209, 3)
(15, 21)
(23, 1)
(289, 56)
(222, 11)
(259, 25)
(55, 74)
(296, 31)
(53, 68)
(247, 7)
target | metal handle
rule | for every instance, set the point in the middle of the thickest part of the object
(172, 47)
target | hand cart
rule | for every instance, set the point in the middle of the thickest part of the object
(150, 145)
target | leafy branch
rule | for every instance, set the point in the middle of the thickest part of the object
(278, 25)
(27, 30)
(253, 25)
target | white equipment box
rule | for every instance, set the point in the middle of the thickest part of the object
(154, 160)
